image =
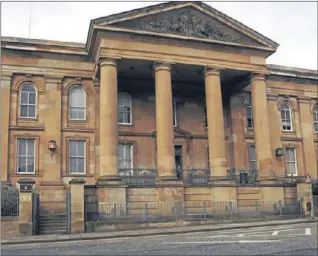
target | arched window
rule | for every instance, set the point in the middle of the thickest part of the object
(286, 115)
(315, 113)
(77, 103)
(174, 113)
(124, 108)
(28, 101)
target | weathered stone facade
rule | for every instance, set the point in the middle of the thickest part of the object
(153, 67)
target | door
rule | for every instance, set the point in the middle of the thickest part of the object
(178, 160)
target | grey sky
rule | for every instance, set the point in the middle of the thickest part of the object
(291, 24)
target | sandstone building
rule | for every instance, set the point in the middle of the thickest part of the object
(169, 91)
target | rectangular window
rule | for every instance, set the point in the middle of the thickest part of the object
(174, 113)
(125, 156)
(26, 156)
(205, 117)
(77, 157)
(252, 156)
(250, 122)
(316, 119)
(291, 163)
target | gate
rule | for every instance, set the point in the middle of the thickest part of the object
(35, 213)
(54, 217)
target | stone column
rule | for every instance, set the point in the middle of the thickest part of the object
(216, 137)
(261, 126)
(5, 117)
(108, 132)
(25, 207)
(307, 130)
(164, 123)
(77, 206)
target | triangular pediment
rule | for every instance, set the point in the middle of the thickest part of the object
(187, 19)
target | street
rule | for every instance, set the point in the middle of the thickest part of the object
(295, 239)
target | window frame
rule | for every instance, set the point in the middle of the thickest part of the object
(34, 105)
(130, 108)
(69, 156)
(131, 145)
(290, 111)
(295, 161)
(250, 160)
(205, 116)
(77, 86)
(174, 113)
(26, 156)
(315, 118)
(249, 117)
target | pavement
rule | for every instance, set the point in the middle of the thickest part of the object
(280, 239)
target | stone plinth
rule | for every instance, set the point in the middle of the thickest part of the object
(25, 207)
(77, 206)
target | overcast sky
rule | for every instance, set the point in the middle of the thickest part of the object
(291, 24)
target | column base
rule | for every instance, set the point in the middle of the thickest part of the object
(110, 181)
(221, 181)
(268, 180)
(168, 181)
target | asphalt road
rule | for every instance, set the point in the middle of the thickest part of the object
(296, 239)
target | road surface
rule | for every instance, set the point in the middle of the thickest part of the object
(295, 239)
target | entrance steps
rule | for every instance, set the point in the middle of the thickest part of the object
(54, 224)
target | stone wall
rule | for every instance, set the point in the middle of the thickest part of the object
(9, 227)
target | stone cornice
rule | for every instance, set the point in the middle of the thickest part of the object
(286, 71)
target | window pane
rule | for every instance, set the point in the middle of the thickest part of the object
(73, 148)
(28, 88)
(31, 111)
(121, 164)
(21, 164)
(23, 111)
(81, 165)
(30, 147)
(73, 113)
(24, 97)
(121, 117)
(32, 98)
(80, 98)
(316, 127)
(127, 152)
(22, 147)
(81, 148)
(30, 164)
(121, 151)
(126, 118)
(73, 165)
(80, 113)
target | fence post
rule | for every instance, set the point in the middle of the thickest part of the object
(146, 211)
(204, 210)
(115, 210)
(300, 202)
(231, 208)
(280, 207)
(257, 208)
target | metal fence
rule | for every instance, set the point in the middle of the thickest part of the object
(10, 207)
(165, 212)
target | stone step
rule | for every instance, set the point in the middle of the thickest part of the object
(52, 232)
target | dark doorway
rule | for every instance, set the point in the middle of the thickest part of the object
(178, 160)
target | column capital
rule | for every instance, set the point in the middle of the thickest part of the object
(159, 65)
(109, 62)
(258, 76)
(96, 81)
(212, 71)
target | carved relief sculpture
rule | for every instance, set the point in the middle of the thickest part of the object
(189, 25)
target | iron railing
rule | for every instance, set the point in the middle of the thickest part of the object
(165, 212)
(10, 207)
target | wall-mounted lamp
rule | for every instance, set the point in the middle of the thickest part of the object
(279, 152)
(52, 145)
